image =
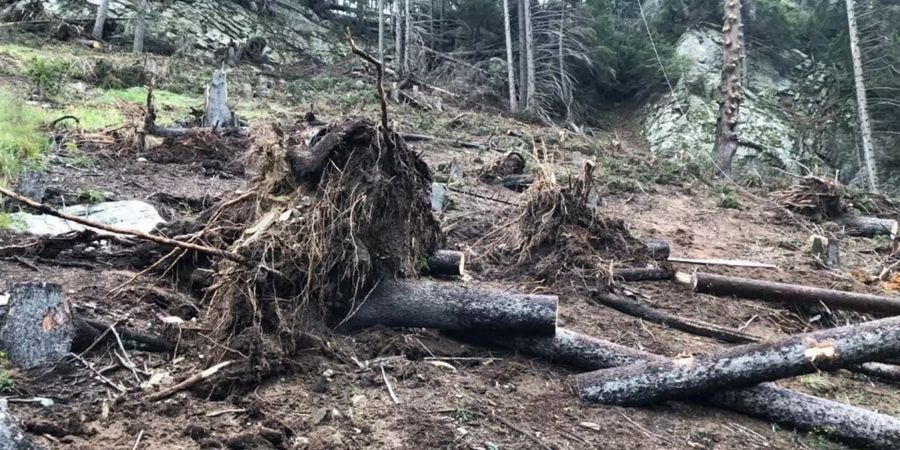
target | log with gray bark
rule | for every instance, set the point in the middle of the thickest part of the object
(643, 274)
(849, 424)
(691, 326)
(11, 435)
(659, 249)
(869, 227)
(454, 307)
(446, 263)
(742, 366)
(770, 291)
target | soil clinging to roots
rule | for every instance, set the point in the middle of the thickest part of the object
(330, 212)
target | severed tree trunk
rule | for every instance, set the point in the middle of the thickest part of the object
(140, 27)
(217, 114)
(453, 307)
(531, 80)
(865, 127)
(870, 227)
(770, 291)
(730, 87)
(743, 366)
(850, 424)
(659, 249)
(100, 22)
(446, 263)
(643, 274)
(826, 251)
(510, 62)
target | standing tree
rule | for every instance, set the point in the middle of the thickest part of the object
(100, 22)
(510, 70)
(530, 78)
(523, 61)
(730, 87)
(140, 26)
(865, 126)
(407, 33)
(381, 31)
(398, 37)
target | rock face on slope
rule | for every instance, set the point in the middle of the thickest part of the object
(292, 31)
(684, 127)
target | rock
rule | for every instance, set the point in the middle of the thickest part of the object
(130, 214)
(39, 325)
(11, 436)
(438, 197)
(32, 185)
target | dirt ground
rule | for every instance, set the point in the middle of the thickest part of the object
(448, 394)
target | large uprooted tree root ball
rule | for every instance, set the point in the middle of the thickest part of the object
(556, 234)
(326, 219)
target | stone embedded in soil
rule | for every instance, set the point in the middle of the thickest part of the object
(39, 325)
(11, 436)
(129, 214)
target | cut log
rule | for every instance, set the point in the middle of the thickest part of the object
(11, 435)
(39, 327)
(869, 227)
(743, 366)
(410, 137)
(850, 424)
(695, 327)
(723, 262)
(887, 372)
(452, 307)
(446, 263)
(643, 274)
(770, 291)
(659, 249)
(826, 251)
(517, 183)
(217, 114)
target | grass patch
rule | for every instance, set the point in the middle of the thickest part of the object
(20, 136)
(6, 383)
(170, 105)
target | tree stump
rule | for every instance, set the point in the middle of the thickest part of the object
(39, 326)
(11, 436)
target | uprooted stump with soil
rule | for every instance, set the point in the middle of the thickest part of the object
(555, 232)
(326, 219)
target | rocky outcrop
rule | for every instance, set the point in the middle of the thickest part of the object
(293, 32)
(685, 127)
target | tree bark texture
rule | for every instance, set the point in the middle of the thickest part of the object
(742, 366)
(100, 21)
(407, 35)
(381, 31)
(849, 424)
(826, 251)
(446, 263)
(659, 249)
(510, 62)
(770, 291)
(529, 56)
(643, 274)
(454, 307)
(217, 114)
(730, 87)
(398, 37)
(869, 227)
(140, 27)
(523, 61)
(862, 104)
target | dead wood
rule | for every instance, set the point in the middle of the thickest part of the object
(826, 251)
(886, 372)
(769, 291)
(189, 382)
(643, 274)
(454, 307)
(446, 263)
(518, 183)
(412, 137)
(850, 424)
(695, 327)
(742, 366)
(659, 249)
(813, 196)
(869, 227)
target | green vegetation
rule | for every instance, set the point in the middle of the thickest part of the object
(6, 383)
(6, 221)
(817, 383)
(91, 196)
(20, 135)
(47, 75)
(728, 198)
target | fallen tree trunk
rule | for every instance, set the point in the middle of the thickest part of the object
(725, 286)
(410, 137)
(518, 183)
(446, 263)
(849, 424)
(695, 327)
(743, 366)
(869, 227)
(643, 274)
(886, 372)
(659, 249)
(452, 307)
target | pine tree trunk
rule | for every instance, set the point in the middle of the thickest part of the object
(381, 31)
(729, 107)
(529, 57)
(523, 63)
(398, 37)
(510, 70)
(862, 104)
(102, 12)
(407, 33)
(140, 27)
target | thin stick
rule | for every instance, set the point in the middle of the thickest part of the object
(139, 234)
(138, 441)
(126, 360)
(189, 382)
(99, 375)
(225, 411)
(524, 432)
(388, 384)
(723, 262)
(379, 67)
